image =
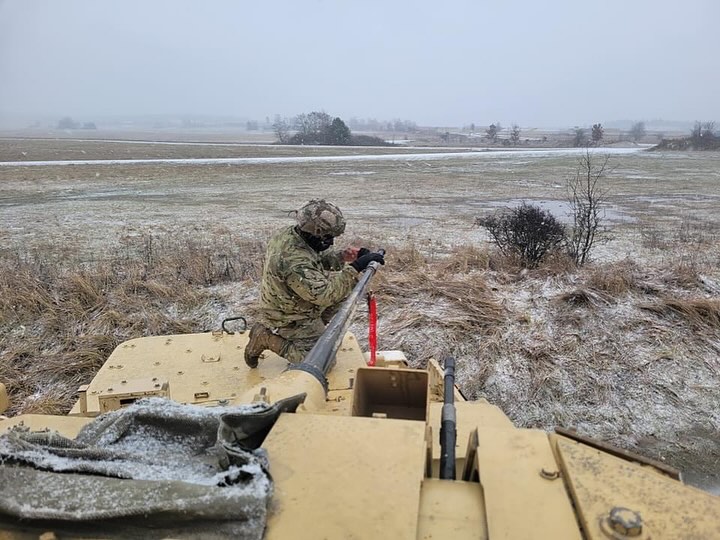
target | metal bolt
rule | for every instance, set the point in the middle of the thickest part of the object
(625, 521)
(550, 475)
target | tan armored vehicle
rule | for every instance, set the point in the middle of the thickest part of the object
(327, 449)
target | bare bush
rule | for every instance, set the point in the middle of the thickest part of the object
(527, 231)
(703, 136)
(281, 127)
(586, 196)
(492, 132)
(637, 131)
(580, 137)
(515, 135)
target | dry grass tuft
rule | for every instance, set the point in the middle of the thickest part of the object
(556, 263)
(682, 274)
(508, 264)
(698, 312)
(421, 291)
(615, 280)
(582, 297)
(465, 259)
(406, 258)
(61, 317)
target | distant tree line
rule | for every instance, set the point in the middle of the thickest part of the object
(370, 124)
(581, 138)
(320, 128)
(703, 136)
(68, 123)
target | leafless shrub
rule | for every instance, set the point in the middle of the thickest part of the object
(580, 137)
(637, 131)
(527, 231)
(586, 196)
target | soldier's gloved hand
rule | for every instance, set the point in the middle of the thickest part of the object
(362, 252)
(362, 262)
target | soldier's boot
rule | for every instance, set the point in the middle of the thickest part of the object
(261, 339)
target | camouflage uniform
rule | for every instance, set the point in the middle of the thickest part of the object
(302, 288)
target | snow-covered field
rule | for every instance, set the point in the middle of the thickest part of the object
(422, 198)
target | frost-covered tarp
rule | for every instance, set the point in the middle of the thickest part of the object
(155, 468)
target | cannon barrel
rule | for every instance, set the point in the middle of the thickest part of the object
(322, 356)
(448, 425)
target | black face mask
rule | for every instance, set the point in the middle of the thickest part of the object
(318, 243)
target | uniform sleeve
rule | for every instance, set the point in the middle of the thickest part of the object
(332, 260)
(316, 287)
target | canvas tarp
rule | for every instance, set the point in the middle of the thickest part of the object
(154, 469)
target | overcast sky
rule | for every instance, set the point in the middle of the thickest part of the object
(436, 62)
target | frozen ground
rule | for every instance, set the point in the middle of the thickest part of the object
(422, 198)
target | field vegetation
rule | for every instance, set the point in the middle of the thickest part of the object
(625, 348)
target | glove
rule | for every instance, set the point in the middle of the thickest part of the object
(361, 252)
(361, 263)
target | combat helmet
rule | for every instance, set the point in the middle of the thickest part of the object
(320, 218)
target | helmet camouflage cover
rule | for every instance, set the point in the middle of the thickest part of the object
(321, 218)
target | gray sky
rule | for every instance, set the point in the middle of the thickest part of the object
(441, 63)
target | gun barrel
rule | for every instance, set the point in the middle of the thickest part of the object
(321, 357)
(448, 424)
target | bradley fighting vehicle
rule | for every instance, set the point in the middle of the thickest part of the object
(176, 437)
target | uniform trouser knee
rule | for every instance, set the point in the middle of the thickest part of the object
(295, 350)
